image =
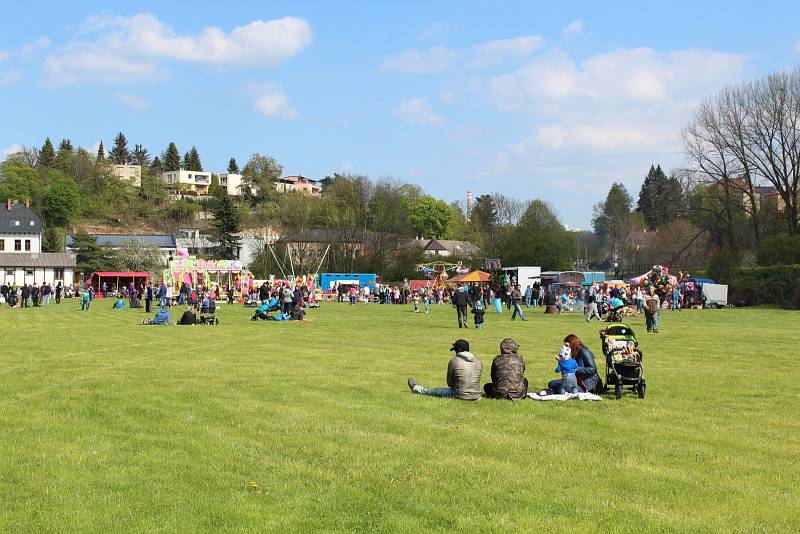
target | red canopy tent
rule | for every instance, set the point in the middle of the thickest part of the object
(117, 279)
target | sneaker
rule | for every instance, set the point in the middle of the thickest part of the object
(412, 384)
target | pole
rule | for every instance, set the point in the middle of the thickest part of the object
(323, 259)
(289, 252)
(277, 261)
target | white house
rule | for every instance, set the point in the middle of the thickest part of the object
(186, 181)
(130, 173)
(17, 269)
(231, 182)
(21, 258)
(20, 228)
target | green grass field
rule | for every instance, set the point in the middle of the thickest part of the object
(106, 425)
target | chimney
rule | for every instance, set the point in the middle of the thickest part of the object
(27, 203)
(469, 205)
(8, 205)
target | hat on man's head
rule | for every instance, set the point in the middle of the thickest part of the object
(508, 345)
(461, 345)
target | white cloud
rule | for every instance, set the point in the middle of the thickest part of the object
(272, 101)
(135, 102)
(10, 78)
(4, 55)
(436, 31)
(28, 50)
(131, 48)
(418, 111)
(573, 28)
(434, 60)
(7, 151)
(494, 52)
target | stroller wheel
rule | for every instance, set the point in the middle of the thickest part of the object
(618, 391)
(640, 390)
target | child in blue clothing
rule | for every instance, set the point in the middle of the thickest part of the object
(567, 367)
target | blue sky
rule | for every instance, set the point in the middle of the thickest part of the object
(551, 100)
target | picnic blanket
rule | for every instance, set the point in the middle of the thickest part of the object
(565, 396)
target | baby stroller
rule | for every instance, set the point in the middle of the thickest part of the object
(623, 359)
(208, 312)
(614, 315)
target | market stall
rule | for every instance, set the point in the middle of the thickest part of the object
(208, 273)
(115, 280)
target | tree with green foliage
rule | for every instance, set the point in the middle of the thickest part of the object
(214, 189)
(155, 167)
(91, 257)
(224, 230)
(140, 156)
(65, 156)
(614, 221)
(539, 239)
(101, 153)
(136, 256)
(153, 189)
(62, 202)
(194, 163)
(233, 167)
(430, 217)
(18, 181)
(171, 159)
(660, 199)
(119, 153)
(186, 162)
(47, 154)
(260, 173)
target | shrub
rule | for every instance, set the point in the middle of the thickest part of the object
(776, 285)
(780, 250)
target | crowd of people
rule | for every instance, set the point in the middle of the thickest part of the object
(33, 295)
(575, 364)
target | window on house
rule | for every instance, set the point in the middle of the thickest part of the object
(59, 274)
(28, 272)
(32, 222)
(2, 245)
(14, 223)
(27, 245)
(17, 244)
(9, 272)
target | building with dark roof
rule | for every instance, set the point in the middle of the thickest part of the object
(19, 268)
(445, 247)
(20, 228)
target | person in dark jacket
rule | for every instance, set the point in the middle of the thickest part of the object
(188, 317)
(461, 300)
(26, 295)
(149, 293)
(508, 374)
(588, 379)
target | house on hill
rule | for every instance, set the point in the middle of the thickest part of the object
(445, 247)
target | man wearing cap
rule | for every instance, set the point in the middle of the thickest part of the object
(508, 374)
(463, 376)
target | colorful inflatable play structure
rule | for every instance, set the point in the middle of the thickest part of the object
(657, 277)
(196, 271)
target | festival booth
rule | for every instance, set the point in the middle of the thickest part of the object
(208, 273)
(117, 279)
(329, 281)
(474, 277)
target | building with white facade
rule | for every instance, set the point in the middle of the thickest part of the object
(232, 183)
(130, 173)
(191, 182)
(299, 183)
(21, 257)
(20, 228)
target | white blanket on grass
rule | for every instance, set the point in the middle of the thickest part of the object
(565, 396)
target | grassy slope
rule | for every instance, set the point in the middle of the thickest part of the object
(109, 425)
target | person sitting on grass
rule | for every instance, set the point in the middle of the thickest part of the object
(508, 374)
(262, 312)
(162, 317)
(586, 373)
(188, 318)
(297, 313)
(567, 367)
(118, 304)
(463, 376)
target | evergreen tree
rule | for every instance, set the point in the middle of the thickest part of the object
(214, 189)
(233, 167)
(64, 156)
(224, 230)
(172, 158)
(47, 154)
(90, 257)
(155, 167)
(660, 199)
(187, 162)
(141, 156)
(194, 161)
(119, 153)
(101, 153)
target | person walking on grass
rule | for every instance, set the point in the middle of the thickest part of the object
(59, 292)
(652, 304)
(528, 296)
(461, 301)
(591, 308)
(516, 298)
(463, 376)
